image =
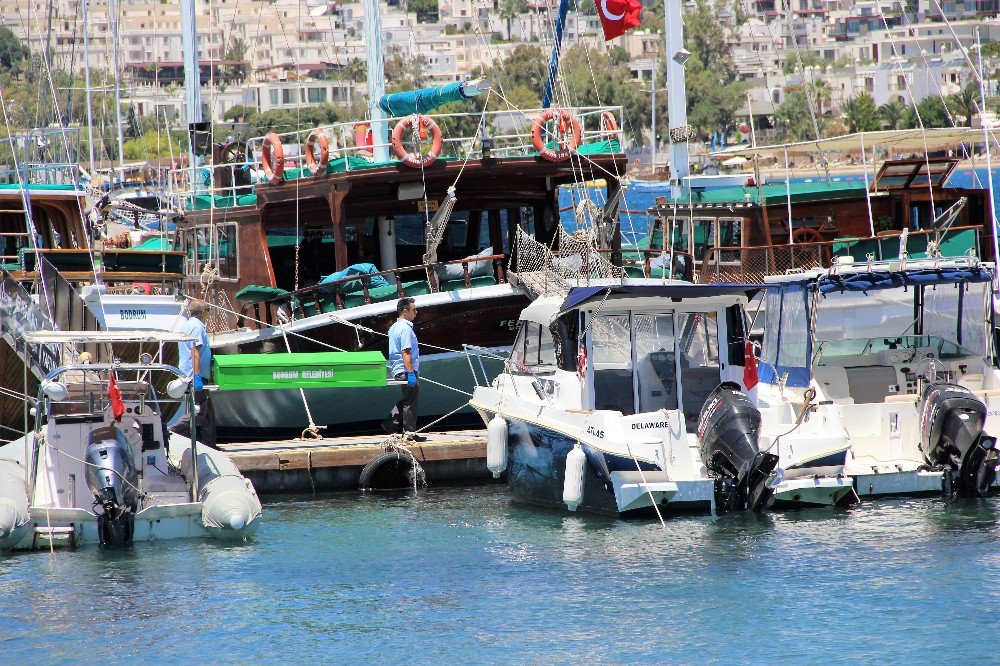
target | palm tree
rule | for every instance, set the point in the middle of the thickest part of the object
(891, 114)
(860, 114)
(820, 91)
(509, 9)
(965, 102)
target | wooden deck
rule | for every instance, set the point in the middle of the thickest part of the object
(335, 464)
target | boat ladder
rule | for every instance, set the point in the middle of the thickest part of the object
(47, 537)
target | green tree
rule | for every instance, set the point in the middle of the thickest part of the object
(713, 94)
(426, 10)
(794, 117)
(965, 103)
(14, 55)
(891, 114)
(932, 113)
(860, 114)
(820, 91)
(509, 10)
(403, 74)
(798, 58)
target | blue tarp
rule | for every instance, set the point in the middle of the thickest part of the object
(355, 285)
(424, 100)
(882, 280)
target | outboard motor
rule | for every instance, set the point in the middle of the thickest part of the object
(114, 481)
(951, 436)
(728, 428)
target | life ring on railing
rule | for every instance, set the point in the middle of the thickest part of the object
(363, 139)
(272, 158)
(424, 124)
(609, 125)
(317, 163)
(566, 124)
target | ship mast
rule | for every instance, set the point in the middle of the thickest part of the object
(376, 80)
(676, 95)
(192, 76)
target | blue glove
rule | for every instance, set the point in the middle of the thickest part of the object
(411, 379)
(199, 383)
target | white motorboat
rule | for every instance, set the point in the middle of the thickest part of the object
(883, 372)
(628, 397)
(99, 467)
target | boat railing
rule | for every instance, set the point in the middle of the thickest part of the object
(683, 263)
(751, 264)
(324, 297)
(41, 173)
(509, 132)
(20, 315)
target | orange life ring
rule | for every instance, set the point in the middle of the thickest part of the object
(317, 165)
(272, 157)
(363, 138)
(424, 125)
(609, 124)
(566, 125)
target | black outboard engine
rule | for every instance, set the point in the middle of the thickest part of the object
(951, 436)
(728, 428)
(114, 481)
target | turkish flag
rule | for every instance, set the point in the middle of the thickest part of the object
(115, 398)
(750, 378)
(618, 16)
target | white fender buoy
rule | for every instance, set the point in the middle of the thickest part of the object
(496, 446)
(573, 483)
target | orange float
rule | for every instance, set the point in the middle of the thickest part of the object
(316, 163)
(609, 124)
(424, 125)
(272, 158)
(363, 138)
(566, 126)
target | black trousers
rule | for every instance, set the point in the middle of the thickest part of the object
(204, 422)
(403, 417)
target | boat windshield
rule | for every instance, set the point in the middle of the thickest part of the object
(833, 351)
(955, 312)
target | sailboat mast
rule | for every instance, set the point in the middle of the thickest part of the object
(86, 73)
(113, 16)
(376, 80)
(676, 96)
(192, 77)
(989, 157)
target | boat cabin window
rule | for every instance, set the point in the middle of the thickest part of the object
(212, 245)
(794, 330)
(772, 316)
(611, 345)
(655, 362)
(533, 347)
(699, 361)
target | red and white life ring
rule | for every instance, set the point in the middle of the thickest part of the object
(424, 125)
(363, 139)
(609, 124)
(272, 158)
(566, 126)
(316, 164)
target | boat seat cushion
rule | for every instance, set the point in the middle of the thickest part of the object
(256, 293)
(481, 281)
(476, 268)
(351, 286)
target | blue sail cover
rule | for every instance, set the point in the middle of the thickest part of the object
(424, 100)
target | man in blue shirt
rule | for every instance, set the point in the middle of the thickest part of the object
(194, 359)
(404, 364)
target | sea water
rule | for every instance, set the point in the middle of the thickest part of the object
(462, 575)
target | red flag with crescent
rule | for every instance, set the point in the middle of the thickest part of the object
(618, 16)
(115, 398)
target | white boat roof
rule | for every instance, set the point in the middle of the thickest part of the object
(543, 310)
(83, 337)
(892, 266)
(912, 140)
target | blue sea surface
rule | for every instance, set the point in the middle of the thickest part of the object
(462, 575)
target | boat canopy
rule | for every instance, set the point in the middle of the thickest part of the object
(424, 100)
(887, 279)
(84, 337)
(579, 295)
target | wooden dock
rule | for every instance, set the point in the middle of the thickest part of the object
(336, 464)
